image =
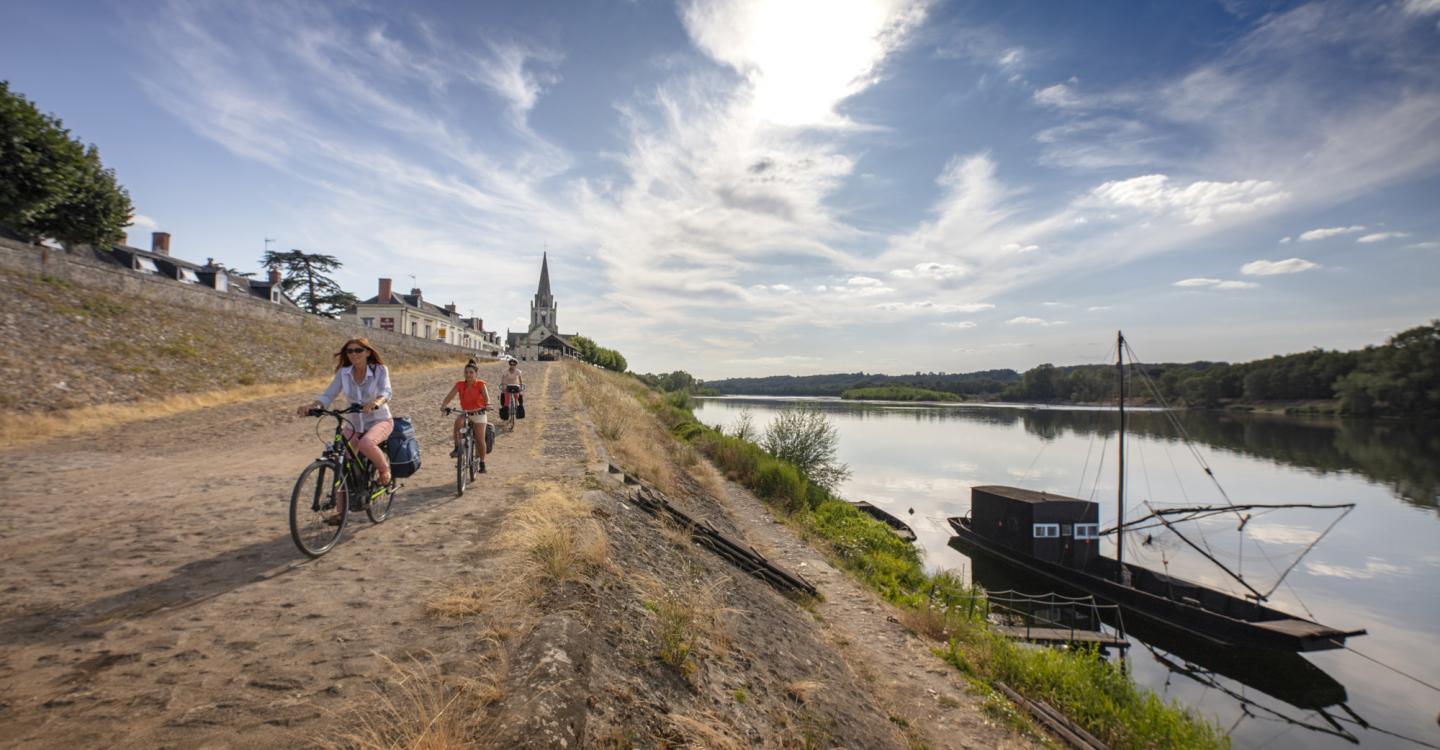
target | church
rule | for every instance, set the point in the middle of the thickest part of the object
(543, 341)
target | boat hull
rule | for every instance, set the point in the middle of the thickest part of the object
(1257, 627)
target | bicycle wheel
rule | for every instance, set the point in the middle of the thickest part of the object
(319, 496)
(472, 466)
(462, 456)
(378, 508)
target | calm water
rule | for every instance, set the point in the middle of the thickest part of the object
(1379, 569)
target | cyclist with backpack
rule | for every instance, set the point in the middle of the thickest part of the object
(361, 374)
(511, 384)
(474, 400)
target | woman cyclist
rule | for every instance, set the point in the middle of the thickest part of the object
(511, 383)
(474, 397)
(362, 376)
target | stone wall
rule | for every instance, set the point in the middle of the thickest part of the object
(81, 269)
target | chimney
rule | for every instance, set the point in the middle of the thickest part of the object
(384, 292)
(274, 277)
(415, 291)
(160, 243)
(450, 308)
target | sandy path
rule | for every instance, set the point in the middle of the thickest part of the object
(906, 677)
(153, 598)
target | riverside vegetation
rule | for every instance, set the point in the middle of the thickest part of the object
(1394, 379)
(938, 605)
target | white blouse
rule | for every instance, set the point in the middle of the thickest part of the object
(375, 385)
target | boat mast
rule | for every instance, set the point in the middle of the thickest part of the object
(1120, 500)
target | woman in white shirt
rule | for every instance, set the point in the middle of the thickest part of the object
(362, 376)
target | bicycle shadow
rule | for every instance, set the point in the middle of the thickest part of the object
(199, 581)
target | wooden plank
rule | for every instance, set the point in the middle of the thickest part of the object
(1060, 635)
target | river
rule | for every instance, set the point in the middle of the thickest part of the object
(1378, 569)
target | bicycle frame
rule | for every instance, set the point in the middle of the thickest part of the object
(352, 464)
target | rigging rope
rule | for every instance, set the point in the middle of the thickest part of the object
(1200, 458)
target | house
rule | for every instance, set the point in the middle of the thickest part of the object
(410, 314)
(159, 262)
(543, 340)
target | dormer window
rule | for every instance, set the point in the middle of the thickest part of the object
(145, 265)
(188, 276)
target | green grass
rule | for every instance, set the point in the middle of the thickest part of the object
(898, 393)
(1083, 685)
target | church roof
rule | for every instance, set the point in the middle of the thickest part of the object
(544, 290)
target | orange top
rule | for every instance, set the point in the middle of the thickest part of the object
(472, 397)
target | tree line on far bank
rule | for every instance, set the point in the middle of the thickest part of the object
(1400, 378)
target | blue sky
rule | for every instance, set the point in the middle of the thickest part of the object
(743, 188)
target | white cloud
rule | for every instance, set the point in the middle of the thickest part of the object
(1200, 202)
(1060, 95)
(1025, 320)
(1015, 247)
(141, 221)
(798, 68)
(1328, 232)
(864, 281)
(1215, 283)
(927, 307)
(1273, 267)
(1422, 7)
(959, 324)
(1431, 245)
(1285, 240)
(939, 271)
(1382, 236)
(1097, 308)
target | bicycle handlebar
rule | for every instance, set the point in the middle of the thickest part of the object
(453, 410)
(337, 413)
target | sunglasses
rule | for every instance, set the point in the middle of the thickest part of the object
(356, 350)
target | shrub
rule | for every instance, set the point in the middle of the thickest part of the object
(803, 436)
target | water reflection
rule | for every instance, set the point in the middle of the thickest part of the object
(1380, 569)
(1399, 454)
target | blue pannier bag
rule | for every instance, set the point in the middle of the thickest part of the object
(403, 449)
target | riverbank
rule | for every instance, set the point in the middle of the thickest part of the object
(940, 607)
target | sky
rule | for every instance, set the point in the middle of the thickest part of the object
(739, 188)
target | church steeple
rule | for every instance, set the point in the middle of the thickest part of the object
(544, 290)
(542, 308)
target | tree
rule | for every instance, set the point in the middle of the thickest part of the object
(802, 435)
(52, 186)
(304, 278)
(595, 354)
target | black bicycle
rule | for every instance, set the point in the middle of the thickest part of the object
(466, 465)
(339, 482)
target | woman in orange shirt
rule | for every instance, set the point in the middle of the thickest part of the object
(474, 400)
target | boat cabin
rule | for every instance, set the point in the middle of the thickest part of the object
(1054, 528)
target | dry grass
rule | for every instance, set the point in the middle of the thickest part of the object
(419, 707)
(688, 619)
(706, 731)
(634, 437)
(549, 539)
(18, 429)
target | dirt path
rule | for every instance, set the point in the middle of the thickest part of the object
(153, 598)
(919, 690)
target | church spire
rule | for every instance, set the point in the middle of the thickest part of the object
(544, 291)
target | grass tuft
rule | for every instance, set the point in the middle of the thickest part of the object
(417, 706)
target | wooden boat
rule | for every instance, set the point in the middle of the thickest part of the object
(1058, 537)
(900, 528)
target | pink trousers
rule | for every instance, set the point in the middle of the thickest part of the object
(368, 444)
